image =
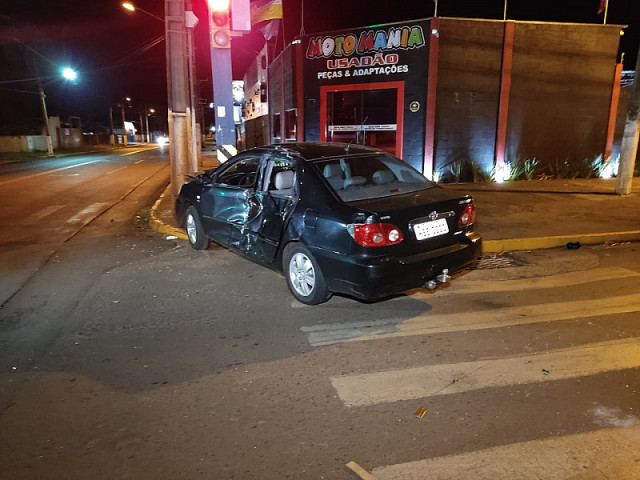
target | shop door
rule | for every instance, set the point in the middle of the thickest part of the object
(368, 114)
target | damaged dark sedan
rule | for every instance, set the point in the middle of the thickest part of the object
(334, 218)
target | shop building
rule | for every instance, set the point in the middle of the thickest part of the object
(444, 90)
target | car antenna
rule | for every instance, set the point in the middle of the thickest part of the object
(346, 149)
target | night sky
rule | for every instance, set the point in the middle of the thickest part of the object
(115, 54)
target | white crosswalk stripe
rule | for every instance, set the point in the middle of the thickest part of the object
(603, 452)
(580, 456)
(430, 323)
(40, 215)
(88, 212)
(468, 286)
(433, 322)
(444, 379)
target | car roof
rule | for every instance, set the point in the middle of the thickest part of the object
(317, 150)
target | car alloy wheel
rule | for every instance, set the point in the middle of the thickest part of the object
(304, 277)
(195, 232)
(302, 274)
(191, 228)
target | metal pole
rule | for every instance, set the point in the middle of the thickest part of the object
(606, 11)
(146, 119)
(435, 11)
(191, 113)
(629, 148)
(124, 129)
(112, 137)
(505, 11)
(43, 104)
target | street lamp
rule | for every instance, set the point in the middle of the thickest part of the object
(132, 8)
(69, 73)
(124, 127)
(150, 112)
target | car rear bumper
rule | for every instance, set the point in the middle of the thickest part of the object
(385, 276)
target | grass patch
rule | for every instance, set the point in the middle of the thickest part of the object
(144, 216)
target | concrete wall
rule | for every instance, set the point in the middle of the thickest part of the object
(69, 138)
(32, 143)
(469, 67)
(282, 90)
(561, 91)
(256, 132)
(561, 82)
(24, 143)
(275, 97)
(10, 144)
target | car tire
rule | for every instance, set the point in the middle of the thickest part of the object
(195, 232)
(304, 278)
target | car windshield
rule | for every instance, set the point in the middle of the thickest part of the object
(361, 177)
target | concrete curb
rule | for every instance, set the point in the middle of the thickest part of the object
(488, 246)
(540, 243)
(161, 227)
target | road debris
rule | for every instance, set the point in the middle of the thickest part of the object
(171, 237)
(573, 245)
(361, 472)
(545, 372)
(421, 412)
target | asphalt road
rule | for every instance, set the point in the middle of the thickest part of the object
(127, 355)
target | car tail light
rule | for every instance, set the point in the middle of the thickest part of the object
(468, 216)
(375, 234)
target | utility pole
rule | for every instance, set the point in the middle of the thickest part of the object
(112, 137)
(146, 119)
(124, 128)
(43, 104)
(190, 22)
(177, 89)
(629, 148)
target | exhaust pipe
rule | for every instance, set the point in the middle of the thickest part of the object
(442, 278)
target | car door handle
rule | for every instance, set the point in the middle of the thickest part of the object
(310, 218)
(236, 222)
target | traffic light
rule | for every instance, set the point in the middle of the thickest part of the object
(220, 23)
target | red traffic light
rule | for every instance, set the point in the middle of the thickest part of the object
(220, 23)
(221, 19)
(219, 5)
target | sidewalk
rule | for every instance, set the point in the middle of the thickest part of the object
(523, 215)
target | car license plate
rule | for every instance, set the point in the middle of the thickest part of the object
(431, 229)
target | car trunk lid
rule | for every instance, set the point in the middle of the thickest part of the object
(427, 218)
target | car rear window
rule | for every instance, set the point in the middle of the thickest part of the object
(361, 177)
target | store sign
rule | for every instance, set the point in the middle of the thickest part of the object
(367, 53)
(363, 128)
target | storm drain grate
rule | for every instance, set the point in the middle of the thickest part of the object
(500, 260)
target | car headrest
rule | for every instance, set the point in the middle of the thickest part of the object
(353, 181)
(382, 177)
(284, 180)
(332, 170)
